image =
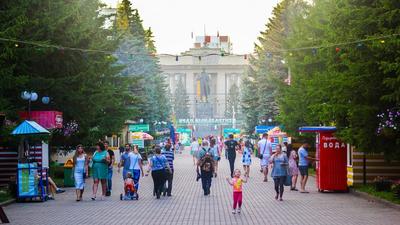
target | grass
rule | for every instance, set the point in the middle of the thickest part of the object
(311, 171)
(5, 195)
(387, 195)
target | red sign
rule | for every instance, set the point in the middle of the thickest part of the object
(46, 119)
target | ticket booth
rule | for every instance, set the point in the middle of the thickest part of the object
(331, 155)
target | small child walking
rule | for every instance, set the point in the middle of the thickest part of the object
(237, 183)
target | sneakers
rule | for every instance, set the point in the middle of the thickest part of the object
(234, 211)
(58, 191)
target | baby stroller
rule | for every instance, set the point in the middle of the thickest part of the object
(129, 188)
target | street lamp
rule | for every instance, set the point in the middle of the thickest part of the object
(32, 97)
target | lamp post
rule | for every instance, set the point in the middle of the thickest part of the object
(31, 96)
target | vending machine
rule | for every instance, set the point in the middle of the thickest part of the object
(331, 159)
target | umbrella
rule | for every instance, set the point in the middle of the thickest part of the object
(142, 135)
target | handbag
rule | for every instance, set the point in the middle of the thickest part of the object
(91, 161)
(288, 180)
(260, 156)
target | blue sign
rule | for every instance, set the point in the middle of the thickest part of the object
(263, 129)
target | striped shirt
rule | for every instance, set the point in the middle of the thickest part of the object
(170, 157)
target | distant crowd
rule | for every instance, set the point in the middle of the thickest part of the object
(285, 165)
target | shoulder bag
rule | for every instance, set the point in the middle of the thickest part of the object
(91, 160)
(260, 155)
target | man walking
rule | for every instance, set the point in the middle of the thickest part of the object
(125, 161)
(110, 167)
(231, 147)
(265, 149)
(168, 152)
(303, 166)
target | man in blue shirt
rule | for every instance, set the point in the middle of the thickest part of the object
(303, 166)
(169, 154)
(125, 161)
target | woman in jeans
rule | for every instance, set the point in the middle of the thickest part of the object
(279, 162)
(100, 162)
(80, 171)
(158, 164)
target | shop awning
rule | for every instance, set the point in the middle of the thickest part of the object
(29, 127)
(317, 129)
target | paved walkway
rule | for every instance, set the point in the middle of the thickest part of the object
(188, 206)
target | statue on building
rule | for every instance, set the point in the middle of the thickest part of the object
(204, 87)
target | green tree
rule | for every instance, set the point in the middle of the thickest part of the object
(345, 85)
(142, 64)
(181, 101)
(267, 66)
(85, 86)
(232, 102)
(249, 101)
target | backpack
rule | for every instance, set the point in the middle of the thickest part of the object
(207, 164)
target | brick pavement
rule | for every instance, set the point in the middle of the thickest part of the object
(188, 206)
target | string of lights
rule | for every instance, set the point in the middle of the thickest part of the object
(359, 43)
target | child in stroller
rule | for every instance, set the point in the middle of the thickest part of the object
(129, 188)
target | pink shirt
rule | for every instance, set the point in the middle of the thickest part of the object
(237, 184)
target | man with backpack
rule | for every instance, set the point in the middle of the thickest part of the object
(205, 167)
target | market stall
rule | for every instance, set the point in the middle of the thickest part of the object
(277, 136)
(33, 161)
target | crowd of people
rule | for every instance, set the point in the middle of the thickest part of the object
(285, 165)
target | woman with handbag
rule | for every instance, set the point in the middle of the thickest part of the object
(159, 167)
(99, 166)
(280, 164)
(80, 171)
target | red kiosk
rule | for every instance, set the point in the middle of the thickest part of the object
(331, 156)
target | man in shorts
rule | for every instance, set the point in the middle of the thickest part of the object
(265, 149)
(303, 166)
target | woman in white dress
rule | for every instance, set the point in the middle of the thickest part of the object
(80, 171)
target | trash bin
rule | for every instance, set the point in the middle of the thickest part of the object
(68, 180)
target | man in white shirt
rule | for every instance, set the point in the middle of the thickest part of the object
(265, 149)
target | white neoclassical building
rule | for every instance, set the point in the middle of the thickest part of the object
(208, 71)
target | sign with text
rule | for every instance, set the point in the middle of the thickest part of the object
(208, 121)
(233, 131)
(138, 142)
(139, 127)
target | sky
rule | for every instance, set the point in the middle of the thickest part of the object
(173, 21)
